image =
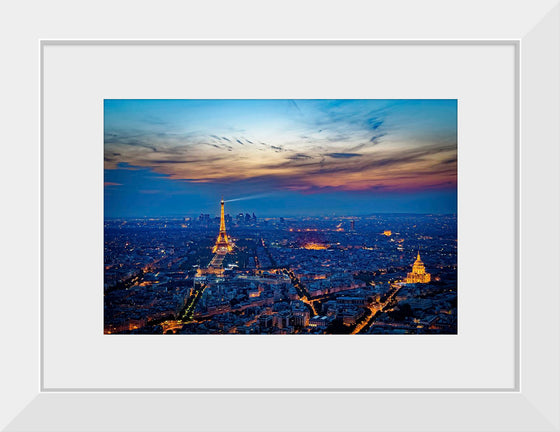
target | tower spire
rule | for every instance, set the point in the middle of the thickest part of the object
(222, 218)
(223, 244)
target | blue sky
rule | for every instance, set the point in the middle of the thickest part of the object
(296, 157)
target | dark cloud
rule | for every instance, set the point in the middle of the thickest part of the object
(356, 147)
(375, 123)
(299, 156)
(161, 161)
(376, 138)
(449, 160)
(343, 155)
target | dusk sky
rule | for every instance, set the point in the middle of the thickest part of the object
(282, 157)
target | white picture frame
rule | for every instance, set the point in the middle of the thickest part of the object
(533, 28)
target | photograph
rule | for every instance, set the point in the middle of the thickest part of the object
(280, 216)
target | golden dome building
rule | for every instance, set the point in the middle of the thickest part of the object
(418, 274)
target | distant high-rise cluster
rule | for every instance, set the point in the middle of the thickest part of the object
(418, 274)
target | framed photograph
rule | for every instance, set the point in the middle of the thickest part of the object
(295, 233)
(347, 193)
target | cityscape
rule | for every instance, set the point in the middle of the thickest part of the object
(205, 237)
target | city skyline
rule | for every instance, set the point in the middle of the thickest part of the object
(292, 157)
(329, 275)
(280, 217)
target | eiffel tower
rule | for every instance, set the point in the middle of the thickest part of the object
(223, 244)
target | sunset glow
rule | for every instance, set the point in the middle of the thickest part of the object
(380, 148)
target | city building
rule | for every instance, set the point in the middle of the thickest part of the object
(418, 274)
(300, 318)
(318, 321)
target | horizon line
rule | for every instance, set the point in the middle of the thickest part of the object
(182, 215)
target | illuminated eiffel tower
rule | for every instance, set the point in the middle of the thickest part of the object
(223, 244)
